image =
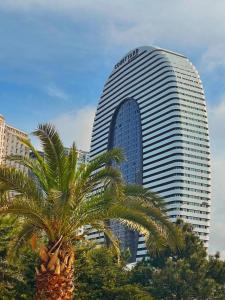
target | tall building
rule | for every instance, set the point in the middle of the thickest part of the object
(153, 107)
(10, 143)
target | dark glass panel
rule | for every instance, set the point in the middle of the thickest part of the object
(125, 133)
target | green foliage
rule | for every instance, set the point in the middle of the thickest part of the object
(128, 292)
(6, 232)
(182, 279)
(11, 281)
(26, 263)
(99, 276)
(186, 274)
(95, 272)
(191, 245)
(216, 269)
(16, 278)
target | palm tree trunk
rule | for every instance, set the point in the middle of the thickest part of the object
(54, 278)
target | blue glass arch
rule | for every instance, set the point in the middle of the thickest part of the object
(125, 133)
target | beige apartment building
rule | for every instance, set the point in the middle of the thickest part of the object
(10, 143)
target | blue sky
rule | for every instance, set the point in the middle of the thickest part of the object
(56, 55)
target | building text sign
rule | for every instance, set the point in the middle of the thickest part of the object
(127, 58)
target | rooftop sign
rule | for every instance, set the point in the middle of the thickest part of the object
(127, 58)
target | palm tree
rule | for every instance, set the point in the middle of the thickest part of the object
(60, 198)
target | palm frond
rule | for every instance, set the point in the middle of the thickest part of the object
(18, 181)
(115, 155)
(27, 229)
(138, 221)
(36, 169)
(147, 206)
(54, 151)
(109, 178)
(110, 237)
(94, 208)
(30, 211)
(71, 163)
(138, 191)
(36, 154)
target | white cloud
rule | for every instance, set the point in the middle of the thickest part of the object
(214, 57)
(177, 23)
(57, 93)
(76, 126)
(216, 127)
(196, 22)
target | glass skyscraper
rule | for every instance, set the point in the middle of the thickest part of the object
(153, 106)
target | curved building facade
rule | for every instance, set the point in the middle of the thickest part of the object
(153, 106)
